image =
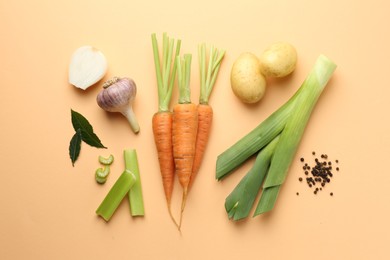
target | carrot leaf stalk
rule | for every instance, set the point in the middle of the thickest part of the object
(165, 71)
(135, 194)
(208, 73)
(183, 77)
(116, 194)
(287, 124)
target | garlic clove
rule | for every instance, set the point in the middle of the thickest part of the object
(88, 65)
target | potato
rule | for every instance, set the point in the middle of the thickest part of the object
(246, 80)
(278, 60)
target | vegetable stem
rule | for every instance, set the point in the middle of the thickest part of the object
(165, 72)
(293, 132)
(208, 73)
(239, 203)
(135, 193)
(116, 194)
(129, 114)
(183, 76)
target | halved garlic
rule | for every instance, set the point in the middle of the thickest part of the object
(88, 65)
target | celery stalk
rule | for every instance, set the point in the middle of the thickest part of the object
(135, 193)
(239, 203)
(116, 195)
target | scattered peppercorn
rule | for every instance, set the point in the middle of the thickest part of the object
(319, 174)
(297, 193)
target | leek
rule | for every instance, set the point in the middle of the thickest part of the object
(286, 124)
(239, 203)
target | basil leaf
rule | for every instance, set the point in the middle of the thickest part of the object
(75, 146)
(87, 134)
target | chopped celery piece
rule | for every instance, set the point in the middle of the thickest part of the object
(116, 195)
(135, 193)
(106, 161)
(239, 203)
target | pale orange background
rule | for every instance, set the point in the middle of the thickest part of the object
(48, 206)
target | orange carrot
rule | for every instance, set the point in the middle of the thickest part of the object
(162, 120)
(184, 131)
(205, 117)
(208, 77)
(184, 128)
(162, 131)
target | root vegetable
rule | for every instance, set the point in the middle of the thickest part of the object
(117, 96)
(278, 60)
(246, 79)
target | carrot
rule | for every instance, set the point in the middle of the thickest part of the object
(162, 120)
(162, 130)
(205, 111)
(205, 117)
(184, 129)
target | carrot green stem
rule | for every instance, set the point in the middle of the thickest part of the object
(183, 77)
(116, 195)
(208, 73)
(135, 193)
(165, 72)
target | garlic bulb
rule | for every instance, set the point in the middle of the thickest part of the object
(117, 96)
(87, 66)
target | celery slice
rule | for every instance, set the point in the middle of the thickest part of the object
(135, 193)
(239, 203)
(116, 195)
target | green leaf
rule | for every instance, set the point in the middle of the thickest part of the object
(74, 146)
(92, 139)
(81, 123)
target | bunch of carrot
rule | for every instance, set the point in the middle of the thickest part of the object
(181, 136)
